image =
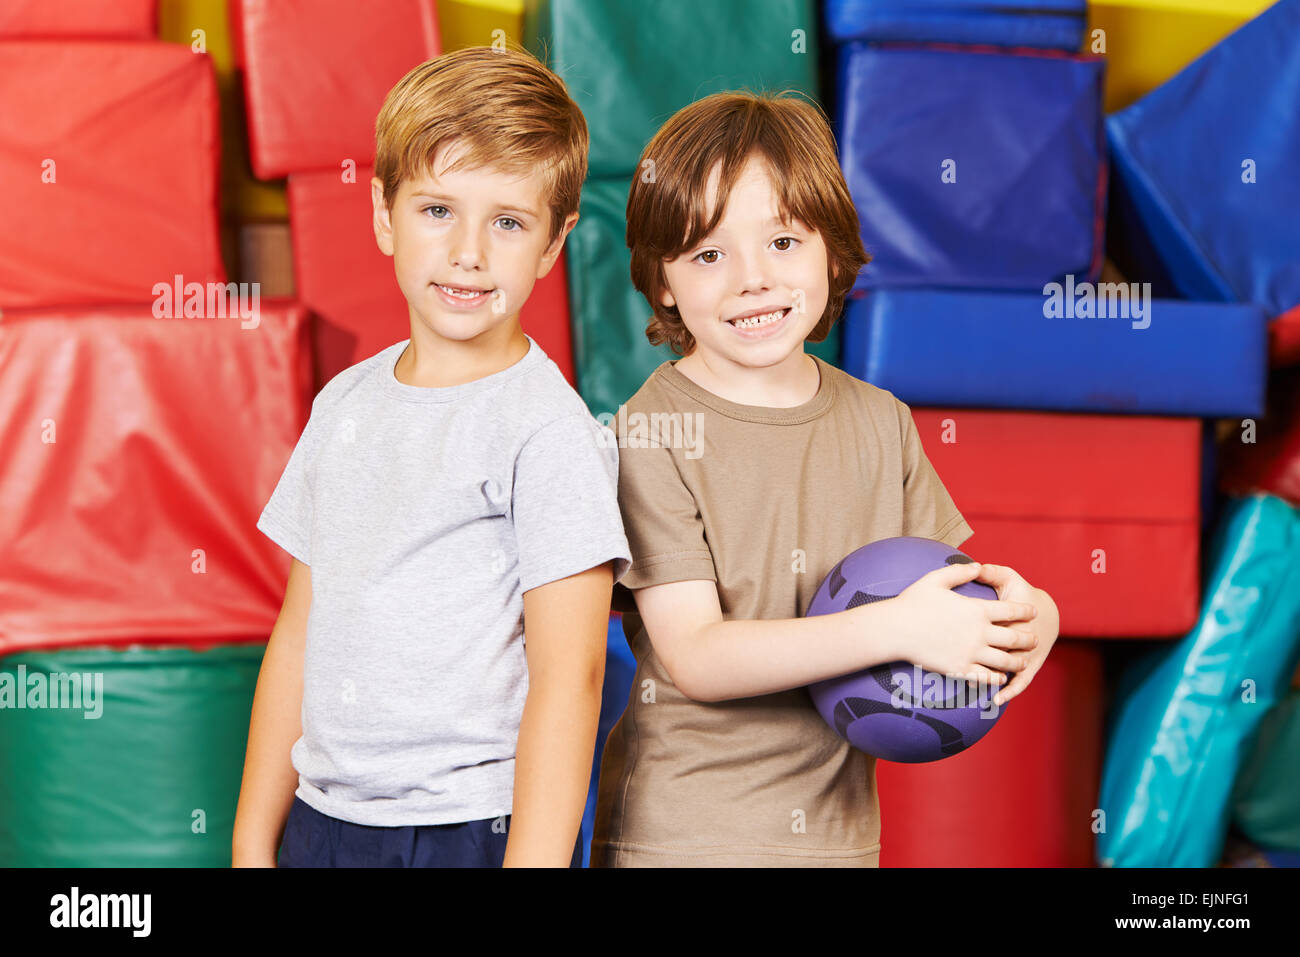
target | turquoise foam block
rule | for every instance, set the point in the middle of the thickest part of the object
(1266, 797)
(1185, 717)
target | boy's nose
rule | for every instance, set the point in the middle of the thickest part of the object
(751, 274)
(466, 250)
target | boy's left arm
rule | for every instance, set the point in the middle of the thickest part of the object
(1045, 626)
(565, 624)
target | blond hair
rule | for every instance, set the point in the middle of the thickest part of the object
(509, 112)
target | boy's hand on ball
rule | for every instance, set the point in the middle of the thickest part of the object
(953, 634)
(1011, 586)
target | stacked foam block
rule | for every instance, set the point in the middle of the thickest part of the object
(970, 137)
(140, 433)
(1073, 438)
(254, 214)
(1205, 199)
(136, 593)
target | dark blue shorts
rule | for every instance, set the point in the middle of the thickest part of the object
(313, 839)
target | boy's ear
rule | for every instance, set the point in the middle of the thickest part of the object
(666, 299)
(553, 251)
(383, 221)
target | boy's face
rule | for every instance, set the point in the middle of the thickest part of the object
(751, 263)
(467, 245)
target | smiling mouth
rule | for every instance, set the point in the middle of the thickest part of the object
(754, 322)
(462, 292)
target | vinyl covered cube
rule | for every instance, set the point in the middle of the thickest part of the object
(630, 66)
(1049, 24)
(316, 73)
(973, 168)
(1023, 351)
(139, 452)
(1207, 180)
(109, 171)
(1101, 511)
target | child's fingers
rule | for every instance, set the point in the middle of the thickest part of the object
(1014, 687)
(950, 576)
(988, 677)
(1010, 611)
(995, 575)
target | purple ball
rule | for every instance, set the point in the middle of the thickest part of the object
(897, 711)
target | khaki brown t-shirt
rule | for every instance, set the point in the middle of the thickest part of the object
(764, 501)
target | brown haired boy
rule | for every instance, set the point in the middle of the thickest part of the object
(745, 241)
(446, 493)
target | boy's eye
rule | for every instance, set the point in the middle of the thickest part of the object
(699, 257)
(788, 240)
(437, 215)
(514, 226)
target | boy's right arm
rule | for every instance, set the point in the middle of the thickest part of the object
(266, 793)
(710, 659)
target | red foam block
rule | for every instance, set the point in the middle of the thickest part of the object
(1059, 497)
(316, 73)
(108, 171)
(1284, 339)
(1270, 461)
(134, 19)
(129, 444)
(1023, 796)
(351, 288)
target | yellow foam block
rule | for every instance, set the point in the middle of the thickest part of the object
(1148, 41)
(480, 23)
(204, 25)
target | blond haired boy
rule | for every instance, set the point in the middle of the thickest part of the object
(447, 495)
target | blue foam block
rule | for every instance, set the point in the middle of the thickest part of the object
(620, 668)
(1020, 133)
(1050, 24)
(999, 350)
(1185, 717)
(1189, 222)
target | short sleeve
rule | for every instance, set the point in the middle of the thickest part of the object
(928, 509)
(664, 528)
(287, 517)
(565, 502)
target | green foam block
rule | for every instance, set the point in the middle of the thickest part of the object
(143, 771)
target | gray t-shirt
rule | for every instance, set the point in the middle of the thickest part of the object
(425, 514)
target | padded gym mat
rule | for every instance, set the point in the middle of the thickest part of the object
(1206, 192)
(145, 773)
(1185, 716)
(139, 453)
(81, 19)
(1050, 24)
(630, 66)
(110, 165)
(1023, 795)
(1101, 511)
(974, 168)
(316, 73)
(1001, 350)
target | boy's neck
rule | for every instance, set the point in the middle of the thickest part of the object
(792, 382)
(432, 361)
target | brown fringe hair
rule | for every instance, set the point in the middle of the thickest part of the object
(666, 207)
